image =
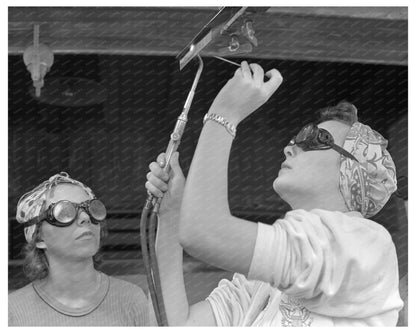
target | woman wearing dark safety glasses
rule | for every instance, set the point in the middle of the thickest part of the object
(325, 263)
(63, 226)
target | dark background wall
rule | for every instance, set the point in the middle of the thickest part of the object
(109, 145)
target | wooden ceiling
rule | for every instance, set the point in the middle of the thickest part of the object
(354, 34)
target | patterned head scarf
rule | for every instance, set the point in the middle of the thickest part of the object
(33, 203)
(368, 184)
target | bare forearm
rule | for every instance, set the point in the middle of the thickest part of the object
(207, 184)
(170, 261)
(208, 230)
(205, 211)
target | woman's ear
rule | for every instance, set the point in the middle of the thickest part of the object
(41, 244)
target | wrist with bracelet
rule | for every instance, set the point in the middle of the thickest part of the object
(231, 128)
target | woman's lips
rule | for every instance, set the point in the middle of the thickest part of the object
(86, 235)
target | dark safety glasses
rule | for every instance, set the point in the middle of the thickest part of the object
(63, 213)
(311, 137)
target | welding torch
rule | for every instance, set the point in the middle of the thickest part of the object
(219, 25)
(150, 210)
(148, 219)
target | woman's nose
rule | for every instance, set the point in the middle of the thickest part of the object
(289, 151)
(83, 217)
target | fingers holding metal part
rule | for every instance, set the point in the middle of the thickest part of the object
(156, 185)
(238, 72)
(161, 160)
(158, 172)
(154, 190)
(245, 70)
(245, 92)
(157, 179)
(275, 80)
(167, 185)
(251, 71)
(258, 73)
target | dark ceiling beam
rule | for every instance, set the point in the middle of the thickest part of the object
(360, 34)
(385, 13)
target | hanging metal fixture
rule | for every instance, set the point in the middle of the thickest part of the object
(38, 59)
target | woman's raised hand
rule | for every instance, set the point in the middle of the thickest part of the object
(245, 92)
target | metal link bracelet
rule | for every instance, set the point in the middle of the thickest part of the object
(221, 120)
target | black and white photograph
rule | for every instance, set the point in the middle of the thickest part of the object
(207, 165)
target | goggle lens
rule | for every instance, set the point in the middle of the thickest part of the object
(304, 134)
(97, 210)
(65, 212)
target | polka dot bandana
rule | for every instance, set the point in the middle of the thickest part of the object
(366, 185)
(32, 203)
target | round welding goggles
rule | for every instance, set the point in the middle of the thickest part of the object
(64, 212)
(312, 137)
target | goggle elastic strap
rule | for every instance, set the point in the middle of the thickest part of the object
(342, 151)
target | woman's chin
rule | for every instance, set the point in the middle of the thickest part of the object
(280, 184)
(283, 186)
(87, 251)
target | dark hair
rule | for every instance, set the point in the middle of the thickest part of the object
(35, 262)
(344, 112)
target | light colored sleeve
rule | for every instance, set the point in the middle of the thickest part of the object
(230, 301)
(337, 264)
(12, 321)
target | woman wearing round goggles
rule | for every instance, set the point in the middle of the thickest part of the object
(325, 263)
(63, 228)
